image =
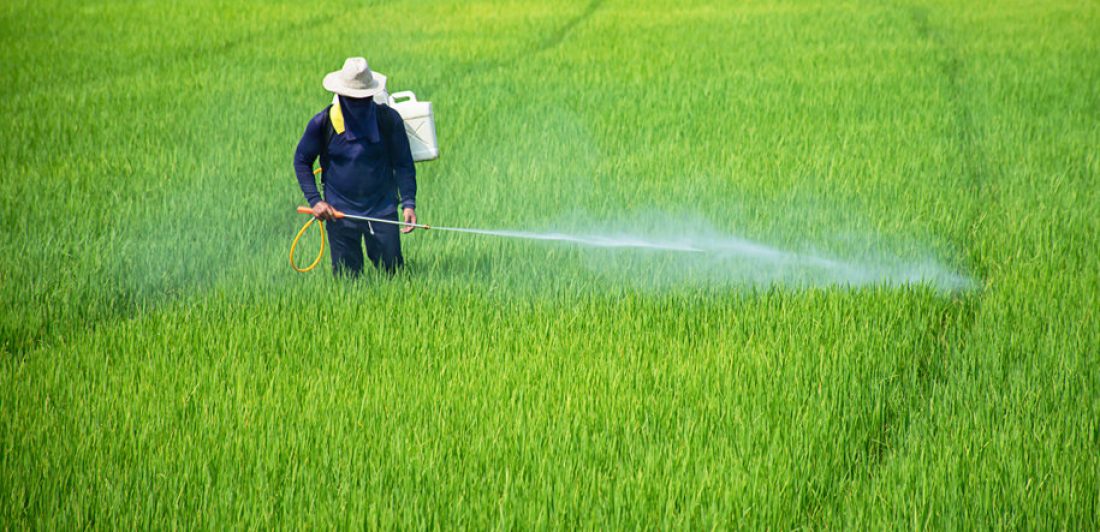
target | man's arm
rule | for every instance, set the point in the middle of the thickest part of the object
(308, 150)
(404, 172)
(403, 169)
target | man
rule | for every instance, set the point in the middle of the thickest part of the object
(365, 162)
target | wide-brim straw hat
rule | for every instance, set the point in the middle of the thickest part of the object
(355, 80)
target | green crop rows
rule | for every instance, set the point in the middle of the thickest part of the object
(162, 366)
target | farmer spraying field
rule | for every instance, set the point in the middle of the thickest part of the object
(369, 141)
(367, 169)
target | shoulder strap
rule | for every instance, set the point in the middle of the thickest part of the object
(383, 123)
(328, 127)
(384, 130)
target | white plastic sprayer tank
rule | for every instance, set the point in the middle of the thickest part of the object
(419, 125)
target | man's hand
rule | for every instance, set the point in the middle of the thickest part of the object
(324, 211)
(409, 214)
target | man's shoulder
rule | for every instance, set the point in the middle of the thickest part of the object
(321, 116)
(318, 121)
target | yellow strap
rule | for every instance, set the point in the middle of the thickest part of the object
(336, 117)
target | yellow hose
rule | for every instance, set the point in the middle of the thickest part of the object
(302, 231)
(320, 253)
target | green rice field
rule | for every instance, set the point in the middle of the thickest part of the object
(161, 365)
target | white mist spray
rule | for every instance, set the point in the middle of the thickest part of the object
(585, 240)
(728, 259)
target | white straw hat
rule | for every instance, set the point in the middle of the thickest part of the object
(355, 80)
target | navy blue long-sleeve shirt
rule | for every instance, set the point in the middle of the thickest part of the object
(360, 177)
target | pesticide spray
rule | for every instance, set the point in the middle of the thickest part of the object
(713, 255)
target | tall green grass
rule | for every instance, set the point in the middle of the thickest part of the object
(161, 366)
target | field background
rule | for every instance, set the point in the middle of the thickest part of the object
(161, 365)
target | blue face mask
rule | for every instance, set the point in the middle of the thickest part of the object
(360, 119)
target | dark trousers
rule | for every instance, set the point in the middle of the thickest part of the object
(347, 237)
